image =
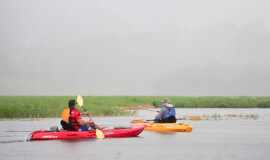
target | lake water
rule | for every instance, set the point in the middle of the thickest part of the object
(234, 139)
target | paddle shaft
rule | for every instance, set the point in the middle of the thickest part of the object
(151, 110)
(94, 127)
(98, 132)
(86, 111)
(189, 118)
(176, 119)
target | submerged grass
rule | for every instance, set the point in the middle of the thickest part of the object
(216, 116)
(52, 106)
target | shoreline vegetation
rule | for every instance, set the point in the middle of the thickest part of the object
(33, 107)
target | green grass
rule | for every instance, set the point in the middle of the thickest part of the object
(221, 102)
(52, 106)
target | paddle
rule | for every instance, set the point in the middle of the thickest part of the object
(80, 102)
(189, 118)
(151, 110)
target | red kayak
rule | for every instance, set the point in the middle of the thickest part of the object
(108, 133)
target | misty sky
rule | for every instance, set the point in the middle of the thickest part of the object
(135, 47)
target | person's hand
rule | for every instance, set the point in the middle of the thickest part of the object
(91, 122)
(86, 113)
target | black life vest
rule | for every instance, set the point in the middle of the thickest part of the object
(67, 122)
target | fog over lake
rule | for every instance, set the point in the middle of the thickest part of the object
(142, 47)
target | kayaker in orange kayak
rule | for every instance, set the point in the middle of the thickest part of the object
(71, 119)
(166, 114)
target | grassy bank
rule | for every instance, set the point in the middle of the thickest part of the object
(52, 106)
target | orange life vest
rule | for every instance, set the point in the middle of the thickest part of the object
(66, 115)
(67, 121)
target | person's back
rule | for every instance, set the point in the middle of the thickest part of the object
(70, 116)
(167, 113)
(170, 116)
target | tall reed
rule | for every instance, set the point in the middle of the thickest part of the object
(52, 106)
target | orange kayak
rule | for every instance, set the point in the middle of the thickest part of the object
(167, 127)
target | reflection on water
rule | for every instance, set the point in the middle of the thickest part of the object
(10, 141)
(245, 139)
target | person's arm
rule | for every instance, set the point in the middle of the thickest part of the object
(84, 114)
(160, 114)
(77, 116)
(83, 123)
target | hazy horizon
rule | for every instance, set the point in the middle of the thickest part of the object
(144, 48)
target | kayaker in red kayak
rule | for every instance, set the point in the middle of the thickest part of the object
(167, 113)
(71, 119)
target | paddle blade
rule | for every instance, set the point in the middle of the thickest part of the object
(79, 100)
(99, 134)
(194, 118)
(138, 121)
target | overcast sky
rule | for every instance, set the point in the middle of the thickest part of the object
(135, 47)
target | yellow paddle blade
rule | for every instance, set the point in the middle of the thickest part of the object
(80, 100)
(194, 118)
(138, 121)
(99, 134)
